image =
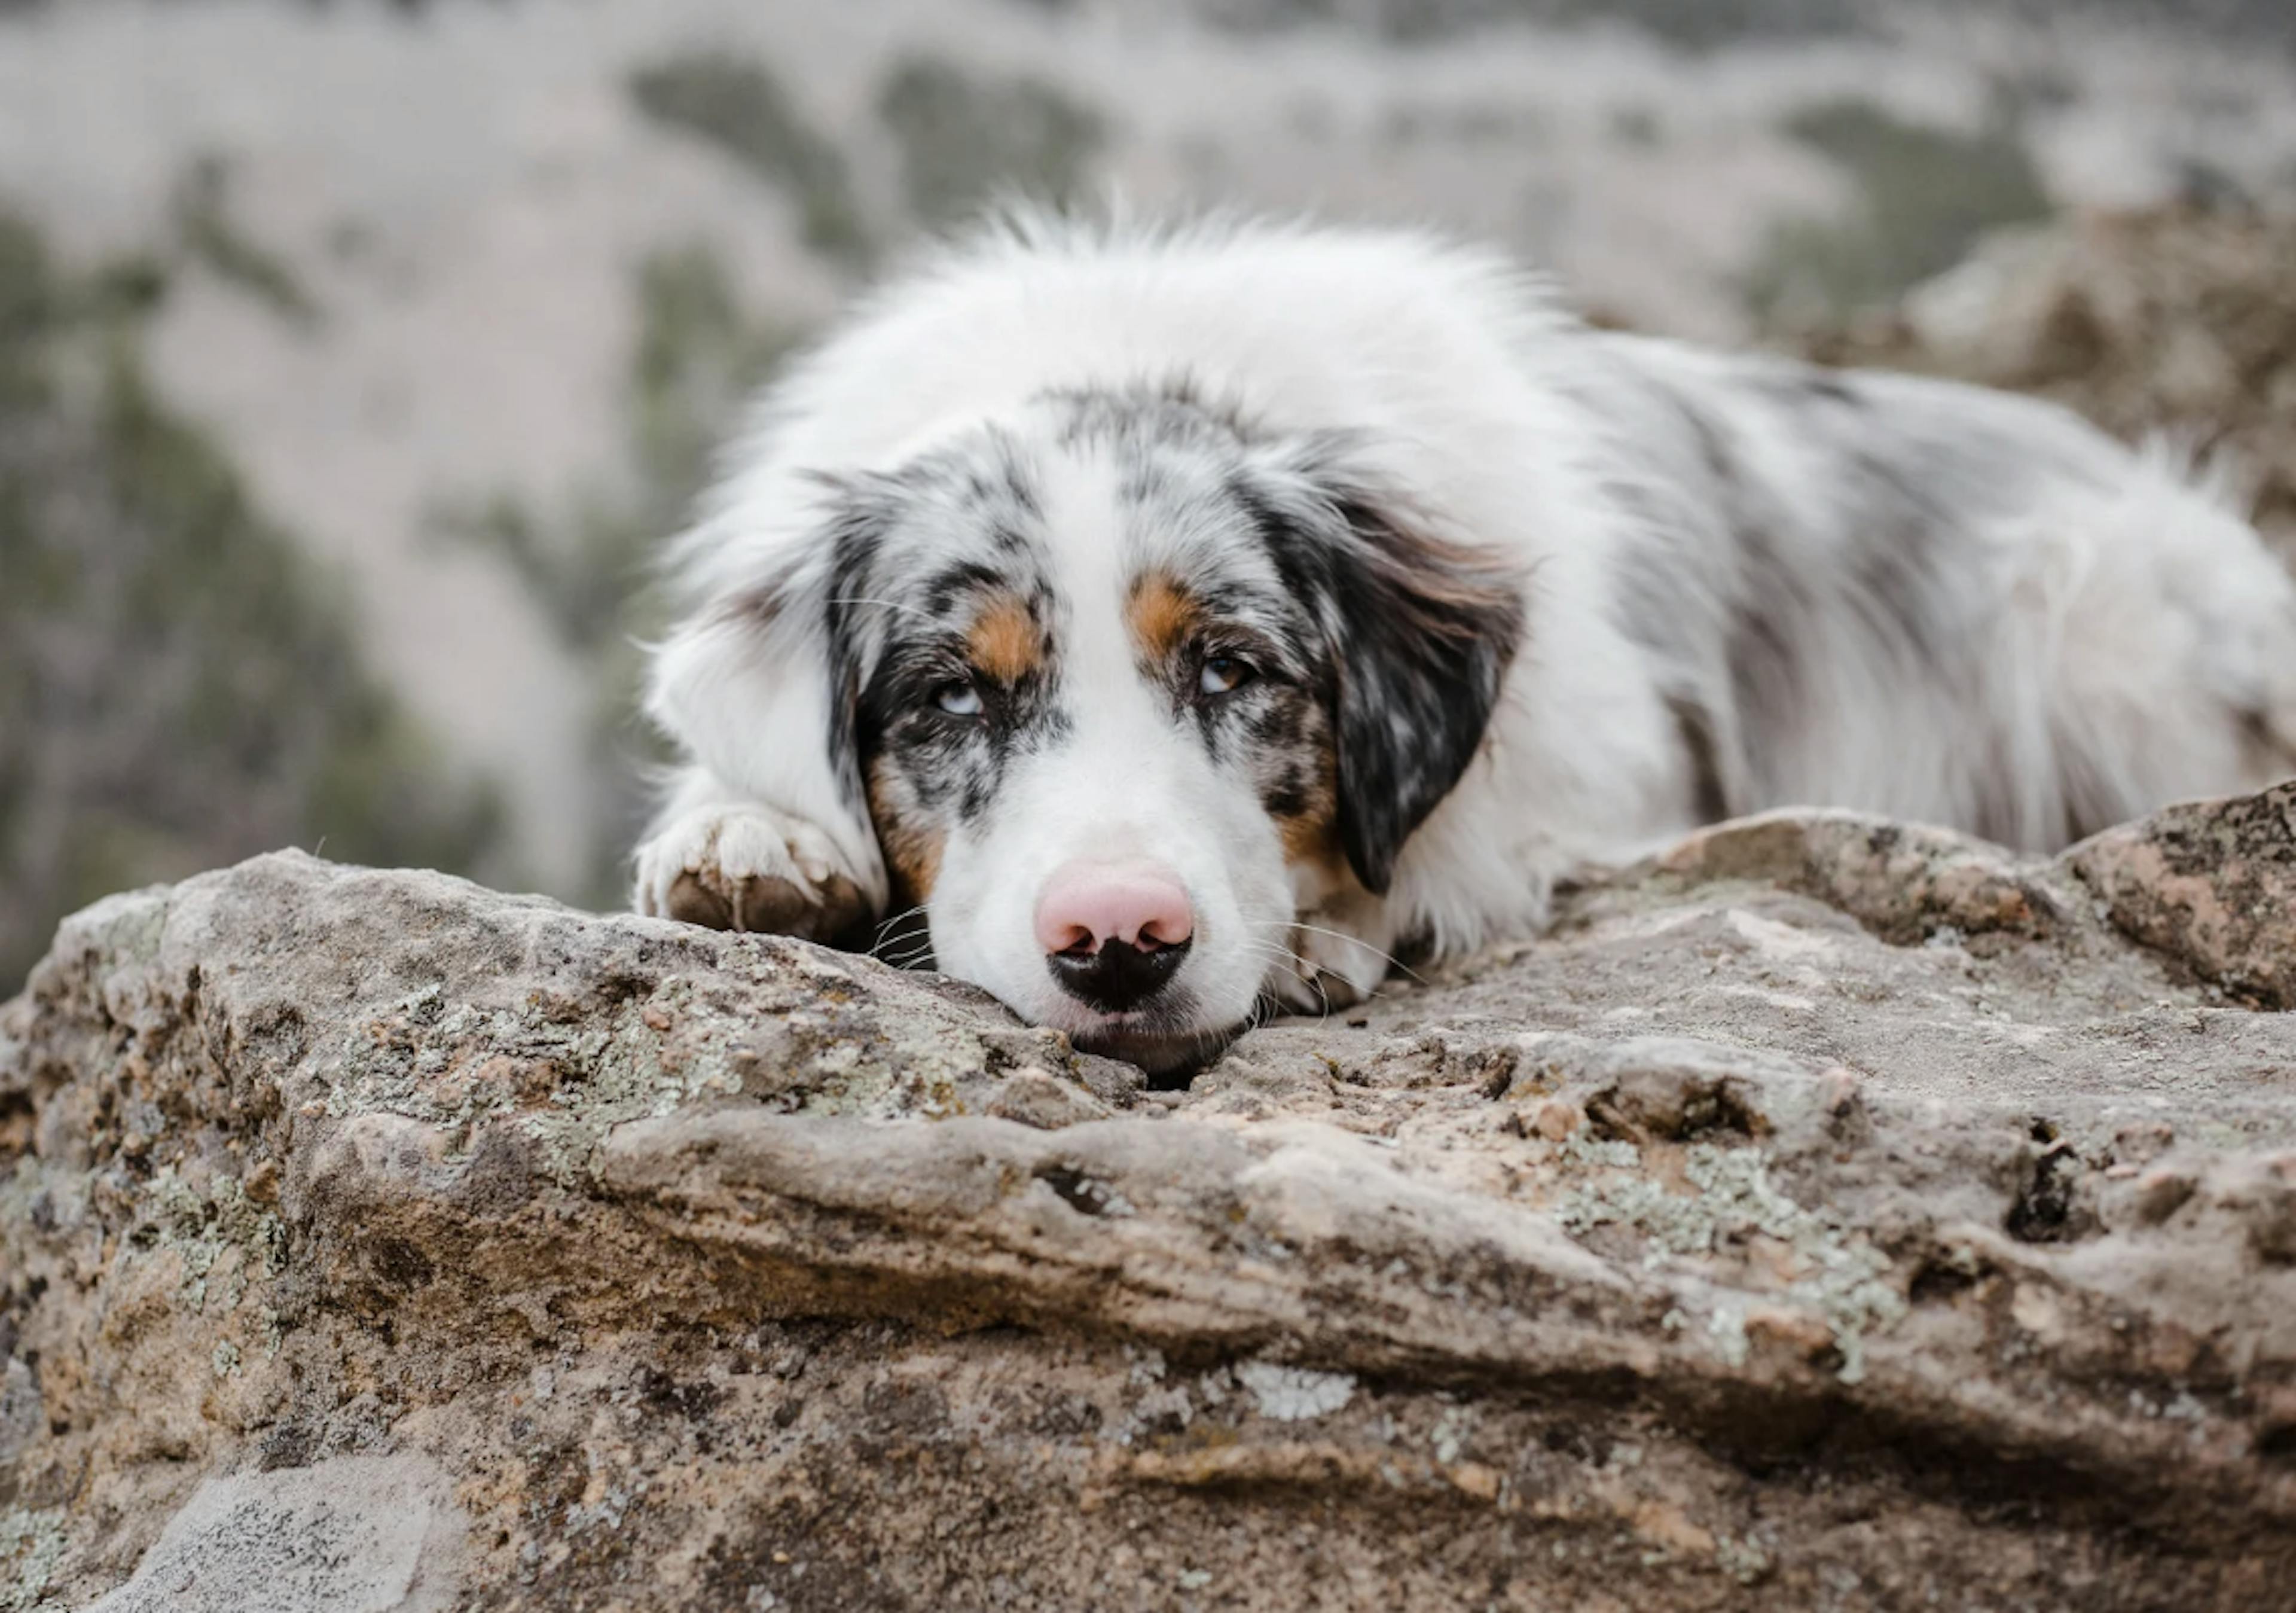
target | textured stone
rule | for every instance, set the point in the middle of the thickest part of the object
(355, 1534)
(2213, 885)
(1828, 1213)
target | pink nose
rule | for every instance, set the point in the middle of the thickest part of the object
(1086, 905)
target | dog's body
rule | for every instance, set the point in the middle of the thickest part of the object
(1337, 590)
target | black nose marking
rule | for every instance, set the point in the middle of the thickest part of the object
(1117, 976)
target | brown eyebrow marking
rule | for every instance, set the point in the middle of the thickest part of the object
(1164, 617)
(913, 849)
(1005, 640)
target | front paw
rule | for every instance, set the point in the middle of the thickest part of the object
(748, 867)
(1327, 968)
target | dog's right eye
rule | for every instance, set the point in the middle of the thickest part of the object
(959, 698)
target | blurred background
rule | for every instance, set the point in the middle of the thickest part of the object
(353, 355)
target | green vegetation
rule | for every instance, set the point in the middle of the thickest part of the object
(698, 357)
(1925, 195)
(210, 236)
(179, 686)
(1638, 127)
(739, 108)
(1689, 25)
(963, 140)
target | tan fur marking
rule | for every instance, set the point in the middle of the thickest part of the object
(1311, 836)
(1162, 615)
(912, 850)
(1003, 641)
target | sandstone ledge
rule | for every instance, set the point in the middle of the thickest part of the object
(1831, 1212)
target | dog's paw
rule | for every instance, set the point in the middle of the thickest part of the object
(1328, 967)
(748, 867)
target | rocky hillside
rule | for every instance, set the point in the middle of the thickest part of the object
(1831, 1213)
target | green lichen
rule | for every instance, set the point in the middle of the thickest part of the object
(201, 1225)
(607, 1071)
(803, 1040)
(32, 1548)
(1844, 1278)
(1743, 1557)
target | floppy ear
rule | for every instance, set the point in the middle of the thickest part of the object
(759, 684)
(1420, 631)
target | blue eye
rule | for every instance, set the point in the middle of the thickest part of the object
(958, 699)
(1223, 675)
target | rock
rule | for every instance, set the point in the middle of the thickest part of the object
(1850, 1211)
(355, 1534)
(2213, 885)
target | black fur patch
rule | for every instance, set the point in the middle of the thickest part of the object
(1419, 633)
(915, 555)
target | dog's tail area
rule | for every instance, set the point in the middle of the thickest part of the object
(2172, 630)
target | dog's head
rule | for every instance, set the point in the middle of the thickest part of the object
(1118, 686)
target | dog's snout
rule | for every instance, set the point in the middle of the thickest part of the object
(1086, 906)
(1114, 933)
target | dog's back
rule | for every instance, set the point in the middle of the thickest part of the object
(1936, 601)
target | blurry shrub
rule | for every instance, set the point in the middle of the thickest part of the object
(698, 357)
(1689, 24)
(1924, 195)
(963, 140)
(179, 686)
(739, 107)
(1701, 25)
(210, 236)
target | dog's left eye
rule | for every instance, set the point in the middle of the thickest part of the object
(959, 698)
(1223, 675)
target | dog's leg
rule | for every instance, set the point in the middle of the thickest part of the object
(1339, 954)
(715, 860)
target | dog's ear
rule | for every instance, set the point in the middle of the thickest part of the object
(1419, 630)
(760, 683)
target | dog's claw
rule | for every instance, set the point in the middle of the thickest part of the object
(683, 874)
(761, 904)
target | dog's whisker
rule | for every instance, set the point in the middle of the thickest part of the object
(1389, 959)
(890, 931)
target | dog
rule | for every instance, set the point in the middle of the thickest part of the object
(1181, 622)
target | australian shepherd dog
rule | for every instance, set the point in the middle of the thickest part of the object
(1181, 622)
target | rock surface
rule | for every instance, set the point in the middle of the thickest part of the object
(1830, 1213)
